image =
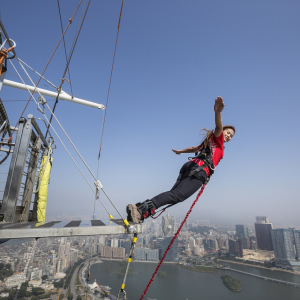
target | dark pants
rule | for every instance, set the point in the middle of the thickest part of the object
(184, 187)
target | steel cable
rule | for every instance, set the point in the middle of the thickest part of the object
(70, 21)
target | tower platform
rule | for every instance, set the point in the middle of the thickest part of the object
(66, 229)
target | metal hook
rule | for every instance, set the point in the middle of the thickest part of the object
(7, 41)
(120, 293)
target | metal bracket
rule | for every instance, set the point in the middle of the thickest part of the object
(43, 102)
(131, 229)
(98, 185)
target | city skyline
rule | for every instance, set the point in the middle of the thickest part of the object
(46, 263)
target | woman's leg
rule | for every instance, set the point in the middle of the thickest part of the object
(184, 187)
(180, 192)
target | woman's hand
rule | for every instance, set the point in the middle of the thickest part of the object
(176, 151)
(219, 105)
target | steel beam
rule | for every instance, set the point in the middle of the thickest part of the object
(65, 232)
(16, 169)
(61, 95)
(30, 178)
(38, 130)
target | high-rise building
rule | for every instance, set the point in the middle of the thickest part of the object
(262, 219)
(114, 243)
(242, 233)
(168, 225)
(221, 243)
(173, 252)
(191, 242)
(297, 242)
(188, 251)
(102, 240)
(240, 247)
(236, 247)
(196, 250)
(210, 244)
(67, 249)
(147, 239)
(118, 253)
(59, 266)
(106, 251)
(263, 233)
(198, 241)
(283, 247)
(146, 254)
(61, 251)
(126, 243)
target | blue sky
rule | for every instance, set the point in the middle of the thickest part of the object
(173, 59)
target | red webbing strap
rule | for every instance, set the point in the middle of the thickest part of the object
(169, 247)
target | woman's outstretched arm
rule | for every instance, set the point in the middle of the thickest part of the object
(187, 150)
(219, 106)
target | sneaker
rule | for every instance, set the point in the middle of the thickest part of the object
(133, 214)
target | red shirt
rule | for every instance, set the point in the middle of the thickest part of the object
(216, 145)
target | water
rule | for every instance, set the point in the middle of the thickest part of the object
(182, 284)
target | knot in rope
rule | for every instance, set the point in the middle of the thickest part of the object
(63, 81)
(3, 55)
(4, 52)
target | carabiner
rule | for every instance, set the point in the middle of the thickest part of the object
(121, 290)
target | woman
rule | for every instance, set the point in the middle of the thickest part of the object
(194, 173)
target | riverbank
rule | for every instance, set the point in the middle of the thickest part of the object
(260, 267)
(182, 284)
(140, 261)
(200, 269)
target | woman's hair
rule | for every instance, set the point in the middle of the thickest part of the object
(208, 133)
(229, 126)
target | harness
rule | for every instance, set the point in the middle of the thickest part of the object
(205, 156)
(147, 208)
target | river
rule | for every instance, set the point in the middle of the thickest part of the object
(182, 284)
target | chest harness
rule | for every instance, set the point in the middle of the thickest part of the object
(147, 208)
(205, 156)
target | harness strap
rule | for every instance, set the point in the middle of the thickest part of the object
(205, 156)
(162, 211)
(146, 209)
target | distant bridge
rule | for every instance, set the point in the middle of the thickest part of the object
(296, 285)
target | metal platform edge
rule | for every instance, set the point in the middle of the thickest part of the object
(67, 231)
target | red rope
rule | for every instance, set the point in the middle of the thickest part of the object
(169, 247)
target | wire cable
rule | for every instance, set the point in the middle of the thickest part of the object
(73, 48)
(70, 22)
(111, 72)
(62, 30)
(63, 143)
(37, 73)
(67, 67)
(56, 133)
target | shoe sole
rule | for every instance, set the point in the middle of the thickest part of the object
(129, 210)
(129, 218)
